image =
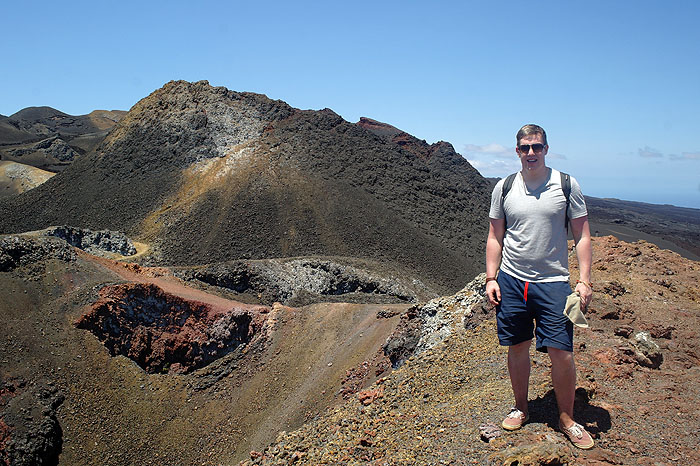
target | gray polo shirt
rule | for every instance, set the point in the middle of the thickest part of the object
(534, 246)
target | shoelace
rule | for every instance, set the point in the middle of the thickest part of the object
(575, 430)
(516, 413)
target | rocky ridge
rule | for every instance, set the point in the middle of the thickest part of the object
(49, 139)
(301, 281)
(17, 251)
(99, 243)
(52, 147)
(438, 406)
(424, 326)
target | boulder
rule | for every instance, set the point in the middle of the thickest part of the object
(647, 352)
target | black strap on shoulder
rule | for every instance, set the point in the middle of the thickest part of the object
(507, 184)
(566, 187)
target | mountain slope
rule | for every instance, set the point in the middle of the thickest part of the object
(669, 227)
(17, 178)
(205, 174)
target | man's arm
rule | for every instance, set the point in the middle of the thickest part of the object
(584, 253)
(494, 249)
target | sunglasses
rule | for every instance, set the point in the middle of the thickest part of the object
(536, 148)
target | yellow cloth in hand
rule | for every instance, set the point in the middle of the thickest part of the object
(573, 310)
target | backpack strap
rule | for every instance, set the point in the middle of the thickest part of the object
(507, 184)
(566, 187)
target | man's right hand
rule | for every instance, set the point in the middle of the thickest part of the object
(494, 248)
(493, 292)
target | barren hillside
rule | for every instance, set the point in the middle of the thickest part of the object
(49, 139)
(638, 367)
(105, 362)
(205, 174)
(112, 363)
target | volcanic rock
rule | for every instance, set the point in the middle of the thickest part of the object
(542, 453)
(423, 326)
(489, 431)
(404, 140)
(302, 281)
(162, 332)
(30, 433)
(205, 175)
(647, 351)
(53, 147)
(16, 251)
(94, 242)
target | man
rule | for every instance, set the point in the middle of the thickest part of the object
(528, 276)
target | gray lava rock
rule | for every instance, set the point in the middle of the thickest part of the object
(647, 352)
(489, 431)
(302, 281)
(94, 242)
(424, 326)
(52, 147)
(17, 251)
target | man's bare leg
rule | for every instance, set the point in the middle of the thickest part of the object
(564, 381)
(519, 371)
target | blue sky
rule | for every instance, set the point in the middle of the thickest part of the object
(616, 84)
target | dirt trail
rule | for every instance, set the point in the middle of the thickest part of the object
(162, 278)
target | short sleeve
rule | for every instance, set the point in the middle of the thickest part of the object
(496, 211)
(577, 203)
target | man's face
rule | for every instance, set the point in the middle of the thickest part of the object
(531, 159)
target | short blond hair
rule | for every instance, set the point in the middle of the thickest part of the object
(528, 130)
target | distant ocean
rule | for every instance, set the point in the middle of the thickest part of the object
(691, 201)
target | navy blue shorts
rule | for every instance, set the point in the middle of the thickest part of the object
(534, 307)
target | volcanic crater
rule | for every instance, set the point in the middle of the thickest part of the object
(163, 332)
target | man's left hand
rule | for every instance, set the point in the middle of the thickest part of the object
(586, 294)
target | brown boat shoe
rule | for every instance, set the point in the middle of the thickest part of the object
(578, 436)
(515, 419)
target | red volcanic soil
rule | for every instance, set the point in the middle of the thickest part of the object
(161, 331)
